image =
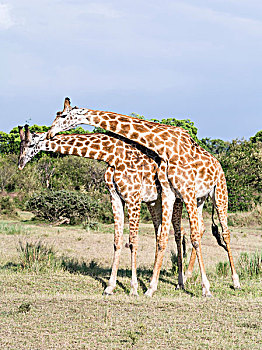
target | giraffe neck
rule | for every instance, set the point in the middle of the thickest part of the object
(131, 128)
(93, 146)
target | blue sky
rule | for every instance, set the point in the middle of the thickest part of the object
(184, 59)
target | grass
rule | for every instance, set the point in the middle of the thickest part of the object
(244, 219)
(12, 229)
(250, 265)
(52, 287)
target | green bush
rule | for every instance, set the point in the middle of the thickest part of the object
(59, 205)
(242, 166)
(7, 206)
(76, 173)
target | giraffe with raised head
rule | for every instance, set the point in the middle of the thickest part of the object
(187, 171)
(131, 177)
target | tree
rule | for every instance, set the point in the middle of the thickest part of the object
(215, 146)
(257, 137)
(242, 164)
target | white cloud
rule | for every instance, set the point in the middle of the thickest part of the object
(6, 20)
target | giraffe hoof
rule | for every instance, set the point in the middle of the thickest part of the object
(207, 295)
(149, 293)
(108, 291)
(236, 281)
(180, 286)
(237, 287)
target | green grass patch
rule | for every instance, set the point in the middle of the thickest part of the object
(13, 229)
(37, 257)
(250, 265)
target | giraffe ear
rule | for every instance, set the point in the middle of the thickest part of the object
(21, 133)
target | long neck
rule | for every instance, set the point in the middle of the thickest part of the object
(141, 131)
(93, 146)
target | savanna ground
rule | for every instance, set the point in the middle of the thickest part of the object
(59, 304)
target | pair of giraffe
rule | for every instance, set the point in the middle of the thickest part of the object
(186, 172)
(131, 177)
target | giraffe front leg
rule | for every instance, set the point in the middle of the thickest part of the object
(134, 214)
(118, 212)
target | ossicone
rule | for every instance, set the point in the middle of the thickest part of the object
(21, 133)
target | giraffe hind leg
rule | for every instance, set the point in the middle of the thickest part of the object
(118, 212)
(134, 214)
(191, 206)
(191, 264)
(168, 199)
(176, 222)
(220, 201)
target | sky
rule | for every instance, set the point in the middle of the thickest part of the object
(193, 59)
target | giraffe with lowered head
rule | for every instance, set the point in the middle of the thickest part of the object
(186, 171)
(130, 177)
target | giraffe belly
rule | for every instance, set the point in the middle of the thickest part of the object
(149, 194)
(203, 191)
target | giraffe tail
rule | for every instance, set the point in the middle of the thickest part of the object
(215, 231)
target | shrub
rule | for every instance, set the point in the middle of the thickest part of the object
(7, 206)
(58, 205)
(242, 165)
(74, 173)
(8, 169)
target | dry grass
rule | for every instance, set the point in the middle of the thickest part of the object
(65, 309)
(246, 219)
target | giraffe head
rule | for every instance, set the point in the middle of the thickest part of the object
(67, 119)
(30, 145)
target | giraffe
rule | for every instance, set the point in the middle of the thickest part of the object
(131, 177)
(187, 171)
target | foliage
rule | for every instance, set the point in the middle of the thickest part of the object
(242, 166)
(7, 206)
(257, 137)
(58, 205)
(76, 173)
(215, 146)
(8, 168)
